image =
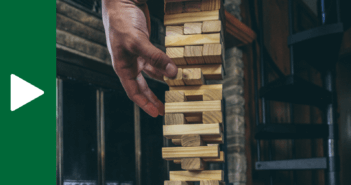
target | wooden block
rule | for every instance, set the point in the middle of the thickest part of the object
(178, 81)
(192, 28)
(210, 72)
(175, 96)
(176, 131)
(193, 54)
(212, 26)
(174, 30)
(213, 139)
(175, 119)
(212, 94)
(181, 152)
(211, 182)
(192, 164)
(215, 160)
(196, 106)
(176, 54)
(177, 183)
(212, 53)
(193, 76)
(196, 175)
(194, 88)
(208, 5)
(191, 140)
(182, 18)
(193, 6)
(189, 40)
(212, 117)
(194, 117)
(176, 141)
(174, 8)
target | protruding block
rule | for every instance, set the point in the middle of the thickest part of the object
(211, 182)
(175, 96)
(191, 40)
(193, 107)
(196, 175)
(208, 5)
(177, 183)
(191, 140)
(212, 53)
(182, 18)
(192, 28)
(192, 6)
(178, 81)
(193, 54)
(192, 164)
(212, 117)
(175, 119)
(174, 8)
(212, 26)
(193, 76)
(184, 152)
(176, 54)
(176, 131)
(174, 30)
(210, 71)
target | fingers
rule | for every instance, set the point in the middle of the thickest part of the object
(158, 59)
(153, 72)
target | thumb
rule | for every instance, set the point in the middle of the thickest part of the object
(158, 59)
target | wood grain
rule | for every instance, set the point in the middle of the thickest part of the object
(192, 6)
(174, 30)
(212, 26)
(174, 8)
(193, 117)
(193, 54)
(176, 141)
(192, 28)
(212, 117)
(177, 183)
(181, 152)
(213, 139)
(211, 182)
(196, 175)
(175, 96)
(191, 140)
(176, 131)
(178, 81)
(176, 54)
(182, 18)
(215, 160)
(208, 5)
(175, 119)
(210, 72)
(212, 53)
(194, 88)
(192, 164)
(188, 40)
(193, 76)
(196, 106)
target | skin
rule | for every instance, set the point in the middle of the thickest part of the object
(127, 31)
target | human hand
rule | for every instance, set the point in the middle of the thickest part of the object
(127, 36)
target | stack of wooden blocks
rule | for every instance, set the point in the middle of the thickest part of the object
(193, 119)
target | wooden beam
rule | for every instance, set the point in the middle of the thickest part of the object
(192, 164)
(176, 54)
(213, 139)
(214, 160)
(211, 182)
(191, 107)
(175, 96)
(193, 76)
(212, 26)
(192, 28)
(176, 131)
(175, 119)
(212, 117)
(193, 54)
(191, 140)
(181, 152)
(212, 53)
(193, 6)
(208, 5)
(174, 30)
(196, 175)
(177, 183)
(174, 8)
(176, 19)
(177, 81)
(210, 72)
(193, 88)
(188, 40)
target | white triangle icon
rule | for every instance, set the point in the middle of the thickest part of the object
(22, 92)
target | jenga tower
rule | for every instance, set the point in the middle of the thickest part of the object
(194, 41)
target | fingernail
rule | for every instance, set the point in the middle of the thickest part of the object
(171, 70)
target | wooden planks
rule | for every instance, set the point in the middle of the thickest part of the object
(192, 164)
(193, 54)
(176, 54)
(215, 160)
(210, 71)
(210, 5)
(213, 139)
(176, 131)
(175, 96)
(181, 152)
(191, 140)
(192, 28)
(174, 30)
(176, 19)
(188, 40)
(212, 26)
(174, 8)
(177, 81)
(212, 53)
(212, 117)
(193, 76)
(175, 119)
(194, 88)
(196, 106)
(211, 182)
(196, 175)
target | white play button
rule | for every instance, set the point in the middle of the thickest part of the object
(22, 92)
